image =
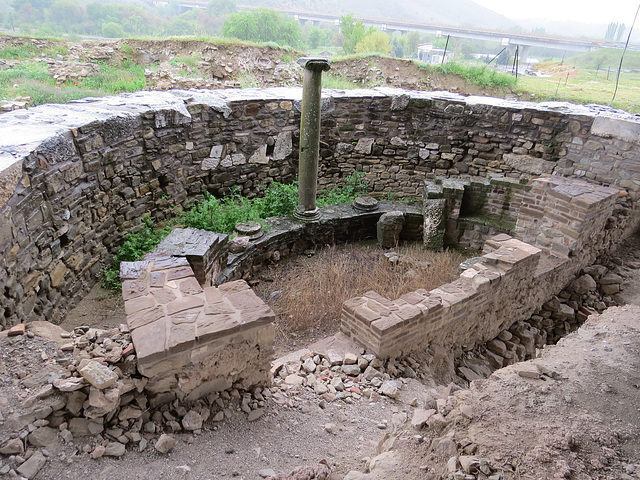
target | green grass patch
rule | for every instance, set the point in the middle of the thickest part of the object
(32, 79)
(222, 214)
(604, 58)
(249, 80)
(478, 75)
(331, 80)
(353, 186)
(113, 79)
(19, 52)
(584, 89)
(189, 60)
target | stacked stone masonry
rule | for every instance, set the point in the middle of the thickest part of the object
(191, 341)
(75, 178)
(565, 219)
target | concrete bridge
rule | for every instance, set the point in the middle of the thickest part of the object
(509, 39)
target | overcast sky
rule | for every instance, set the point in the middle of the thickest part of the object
(602, 11)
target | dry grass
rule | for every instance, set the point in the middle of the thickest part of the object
(312, 290)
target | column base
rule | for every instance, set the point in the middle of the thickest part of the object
(306, 215)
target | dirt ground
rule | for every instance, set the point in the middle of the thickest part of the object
(184, 64)
(571, 413)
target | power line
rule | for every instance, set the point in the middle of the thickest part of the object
(626, 45)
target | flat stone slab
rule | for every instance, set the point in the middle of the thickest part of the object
(185, 242)
(169, 314)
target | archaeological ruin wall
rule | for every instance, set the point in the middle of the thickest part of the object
(75, 178)
(561, 228)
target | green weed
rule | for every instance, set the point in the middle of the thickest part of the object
(221, 214)
(479, 75)
(111, 79)
(133, 248)
(353, 186)
(19, 52)
(338, 82)
(189, 60)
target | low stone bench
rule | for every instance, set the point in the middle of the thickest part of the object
(189, 340)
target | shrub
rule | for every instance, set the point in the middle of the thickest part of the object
(221, 214)
(354, 185)
(133, 248)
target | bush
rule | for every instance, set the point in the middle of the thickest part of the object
(112, 30)
(221, 214)
(133, 248)
(353, 186)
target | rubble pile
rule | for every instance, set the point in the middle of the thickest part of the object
(85, 391)
(594, 290)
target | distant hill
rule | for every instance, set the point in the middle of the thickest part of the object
(451, 12)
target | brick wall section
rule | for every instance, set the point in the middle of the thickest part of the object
(510, 282)
(560, 215)
(188, 338)
(466, 311)
(75, 178)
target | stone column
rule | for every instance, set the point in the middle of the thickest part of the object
(310, 137)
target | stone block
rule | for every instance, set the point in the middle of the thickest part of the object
(33, 465)
(434, 223)
(149, 341)
(389, 227)
(145, 317)
(98, 375)
(185, 303)
(139, 304)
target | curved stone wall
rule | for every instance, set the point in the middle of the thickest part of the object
(74, 178)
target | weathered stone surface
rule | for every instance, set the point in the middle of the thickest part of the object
(583, 284)
(115, 449)
(255, 414)
(420, 417)
(528, 163)
(31, 467)
(192, 421)
(43, 437)
(16, 330)
(98, 375)
(12, 446)
(165, 443)
(69, 384)
(390, 389)
(389, 227)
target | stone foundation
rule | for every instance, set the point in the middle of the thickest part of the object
(192, 341)
(511, 280)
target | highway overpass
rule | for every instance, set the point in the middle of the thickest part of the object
(507, 38)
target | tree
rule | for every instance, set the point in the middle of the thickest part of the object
(317, 37)
(398, 41)
(352, 32)
(178, 27)
(411, 45)
(221, 7)
(374, 42)
(67, 14)
(615, 31)
(262, 25)
(112, 30)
